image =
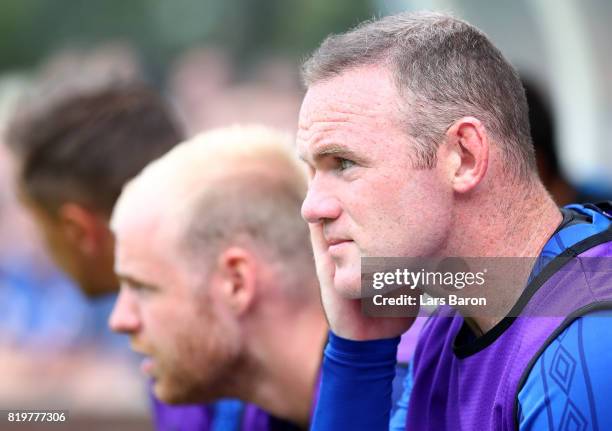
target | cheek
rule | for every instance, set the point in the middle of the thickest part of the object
(182, 348)
(163, 321)
(206, 359)
(419, 196)
(404, 216)
(380, 205)
(205, 338)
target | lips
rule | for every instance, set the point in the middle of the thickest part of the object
(336, 241)
(336, 246)
(147, 363)
(146, 366)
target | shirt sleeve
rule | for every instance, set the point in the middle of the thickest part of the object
(570, 384)
(400, 414)
(356, 384)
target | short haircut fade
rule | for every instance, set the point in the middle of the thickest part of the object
(84, 147)
(444, 69)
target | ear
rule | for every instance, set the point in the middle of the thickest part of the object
(466, 153)
(238, 275)
(84, 228)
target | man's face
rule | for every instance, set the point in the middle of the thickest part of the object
(189, 341)
(362, 188)
(92, 273)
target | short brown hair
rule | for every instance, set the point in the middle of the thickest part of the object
(85, 147)
(444, 69)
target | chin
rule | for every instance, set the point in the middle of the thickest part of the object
(172, 394)
(174, 398)
(175, 393)
(348, 283)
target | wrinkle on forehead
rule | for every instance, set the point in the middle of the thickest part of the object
(321, 106)
(360, 101)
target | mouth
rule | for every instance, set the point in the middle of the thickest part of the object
(147, 363)
(336, 245)
(335, 240)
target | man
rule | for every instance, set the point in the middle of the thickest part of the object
(542, 122)
(415, 130)
(218, 287)
(74, 156)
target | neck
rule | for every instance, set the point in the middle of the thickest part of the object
(516, 228)
(286, 363)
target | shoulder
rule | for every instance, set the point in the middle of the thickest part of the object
(569, 385)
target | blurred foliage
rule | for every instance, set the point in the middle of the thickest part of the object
(161, 29)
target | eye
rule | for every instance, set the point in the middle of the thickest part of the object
(137, 287)
(345, 164)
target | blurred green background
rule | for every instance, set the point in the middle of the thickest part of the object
(221, 62)
(160, 30)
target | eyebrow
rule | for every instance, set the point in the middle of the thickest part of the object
(332, 149)
(134, 282)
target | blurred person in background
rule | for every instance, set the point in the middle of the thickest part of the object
(218, 285)
(542, 122)
(48, 329)
(73, 157)
(206, 87)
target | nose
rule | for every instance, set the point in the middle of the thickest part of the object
(320, 204)
(125, 316)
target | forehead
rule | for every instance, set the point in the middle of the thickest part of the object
(361, 101)
(145, 249)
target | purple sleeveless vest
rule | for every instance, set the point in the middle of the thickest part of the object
(477, 390)
(200, 417)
